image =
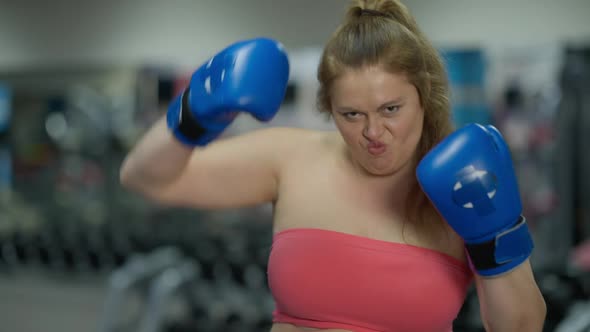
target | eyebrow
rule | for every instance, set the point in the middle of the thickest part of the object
(391, 102)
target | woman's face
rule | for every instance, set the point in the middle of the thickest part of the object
(380, 117)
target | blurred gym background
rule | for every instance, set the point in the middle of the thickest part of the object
(80, 81)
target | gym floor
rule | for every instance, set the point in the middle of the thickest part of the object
(32, 302)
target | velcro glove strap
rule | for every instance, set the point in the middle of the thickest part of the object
(183, 124)
(504, 252)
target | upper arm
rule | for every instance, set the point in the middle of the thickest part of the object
(233, 172)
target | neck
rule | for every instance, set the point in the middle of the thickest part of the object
(395, 184)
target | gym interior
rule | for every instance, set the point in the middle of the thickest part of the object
(81, 81)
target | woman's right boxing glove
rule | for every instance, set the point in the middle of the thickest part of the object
(249, 76)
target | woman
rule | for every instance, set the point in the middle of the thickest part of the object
(357, 244)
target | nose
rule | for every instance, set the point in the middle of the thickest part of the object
(374, 128)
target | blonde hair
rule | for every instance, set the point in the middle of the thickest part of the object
(384, 33)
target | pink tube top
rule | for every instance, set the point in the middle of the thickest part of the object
(331, 280)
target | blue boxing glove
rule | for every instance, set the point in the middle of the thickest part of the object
(248, 76)
(470, 180)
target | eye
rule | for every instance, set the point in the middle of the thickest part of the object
(392, 108)
(351, 115)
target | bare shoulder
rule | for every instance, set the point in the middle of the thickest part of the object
(455, 246)
(287, 141)
(295, 150)
(284, 135)
(438, 235)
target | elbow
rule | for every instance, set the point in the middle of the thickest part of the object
(132, 178)
(534, 319)
(135, 180)
(531, 321)
(126, 175)
(526, 319)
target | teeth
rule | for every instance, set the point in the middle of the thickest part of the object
(468, 205)
(458, 186)
(492, 194)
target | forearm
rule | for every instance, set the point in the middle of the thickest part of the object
(157, 160)
(511, 301)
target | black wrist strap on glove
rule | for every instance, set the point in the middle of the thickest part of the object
(504, 248)
(188, 126)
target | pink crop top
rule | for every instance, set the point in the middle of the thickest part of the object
(331, 280)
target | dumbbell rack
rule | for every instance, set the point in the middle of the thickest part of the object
(212, 271)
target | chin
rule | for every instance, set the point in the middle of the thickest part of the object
(381, 172)
(380, 169)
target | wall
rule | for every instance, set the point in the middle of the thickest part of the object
(182, 32)
(503, 23)
(185, 32)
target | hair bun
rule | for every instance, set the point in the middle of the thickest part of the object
(372, 12)
(392, 9)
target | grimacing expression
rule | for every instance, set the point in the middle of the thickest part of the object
(379, 116)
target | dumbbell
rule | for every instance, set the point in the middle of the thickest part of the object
(169, 284)
(205, 251)
(134, 276)
(18, 249)
(249, 309)
(118, 243)
(48, 250)
(577, 318)
(560, 291)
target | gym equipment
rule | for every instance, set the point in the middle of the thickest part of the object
(467, 75)
(173, 281)
(135, 275)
